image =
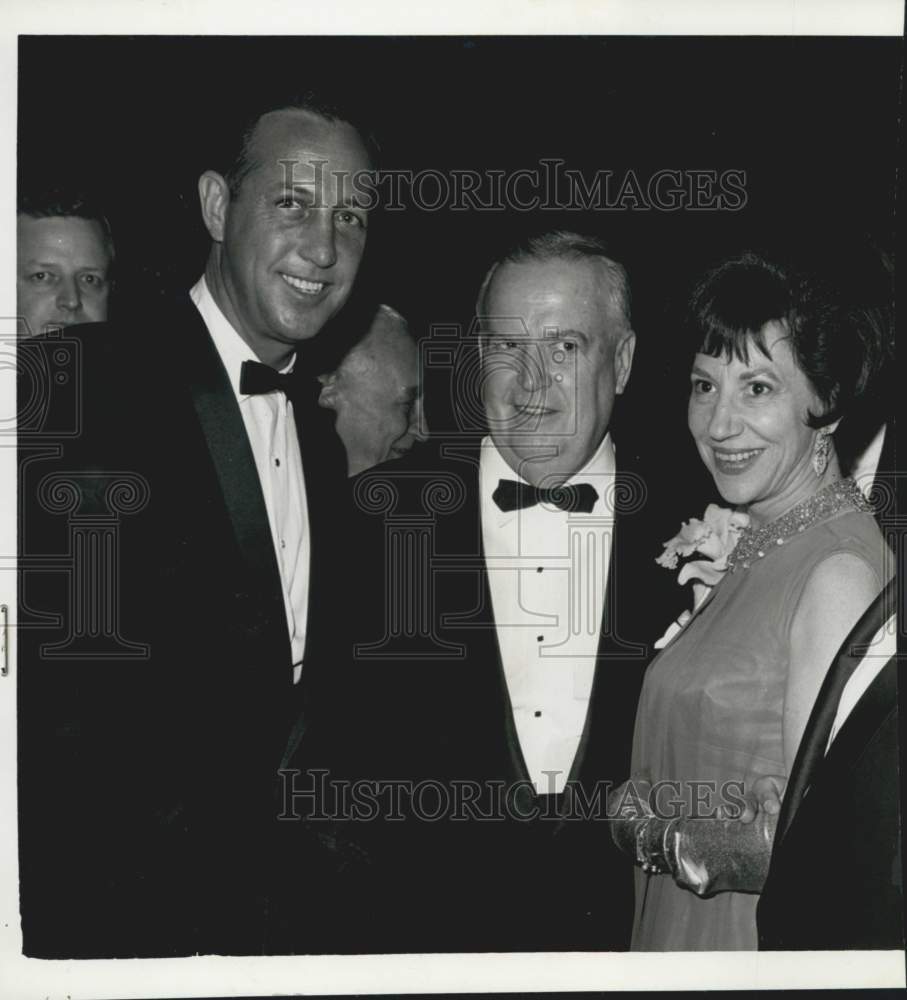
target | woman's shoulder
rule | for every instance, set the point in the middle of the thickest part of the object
(851, 538)
(852, 529)
(851, 533)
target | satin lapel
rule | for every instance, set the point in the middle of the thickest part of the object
(327, 494)
(879, 700)
(493, 647)
(470, 533)
(878, 704)
(810, 753)
(517, 760)
(622, 596)
(811, 758)
(228, 444)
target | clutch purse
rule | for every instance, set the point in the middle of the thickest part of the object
(706, 856)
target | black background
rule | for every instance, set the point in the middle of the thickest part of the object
(812, 122)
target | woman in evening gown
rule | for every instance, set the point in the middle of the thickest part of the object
(776, 370)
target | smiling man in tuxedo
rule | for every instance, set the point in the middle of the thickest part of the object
(557, 348)
(164, 745)
(533, 561)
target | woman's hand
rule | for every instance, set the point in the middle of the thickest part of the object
(764, 797)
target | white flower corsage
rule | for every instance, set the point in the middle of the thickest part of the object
(714, 537)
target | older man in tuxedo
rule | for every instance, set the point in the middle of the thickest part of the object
(162, 723)
(500, 675)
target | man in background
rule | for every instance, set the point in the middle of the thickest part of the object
(64, 258)
(376, 394)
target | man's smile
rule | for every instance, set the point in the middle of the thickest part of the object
(534, 410)
(303, 285)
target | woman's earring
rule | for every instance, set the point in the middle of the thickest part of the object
(820, 452)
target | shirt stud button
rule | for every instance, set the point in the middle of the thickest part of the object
(538, 715)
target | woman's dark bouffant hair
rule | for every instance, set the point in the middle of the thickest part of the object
(732, 303)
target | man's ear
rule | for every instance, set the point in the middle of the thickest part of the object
(623, 359)
(214, 195)
(328, 395)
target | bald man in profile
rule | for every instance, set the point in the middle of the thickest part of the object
(376, 394)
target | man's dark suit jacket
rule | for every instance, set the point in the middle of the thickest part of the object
(148, 758)
(431, 705)
(835, 878)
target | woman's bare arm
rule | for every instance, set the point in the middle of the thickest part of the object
(837, 593)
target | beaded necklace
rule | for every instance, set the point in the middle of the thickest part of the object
(755, 543)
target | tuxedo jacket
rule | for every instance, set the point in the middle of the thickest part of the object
(155, 691)
(431, 706)
(835, 877)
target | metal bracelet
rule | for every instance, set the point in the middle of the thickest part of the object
(652, 862)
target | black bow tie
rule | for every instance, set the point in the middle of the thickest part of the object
(511, 495)
(256, 378)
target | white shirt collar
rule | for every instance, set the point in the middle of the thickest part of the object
(493, 468)
(867, 464)
(233, 350)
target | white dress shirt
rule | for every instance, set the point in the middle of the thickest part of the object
(275, 446)
(866, 465)
(548, 573)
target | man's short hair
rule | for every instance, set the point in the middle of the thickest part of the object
(66, 203)
(562, 244)
(235, 155)
(348, 332)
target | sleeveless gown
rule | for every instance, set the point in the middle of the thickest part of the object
(711, 711)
